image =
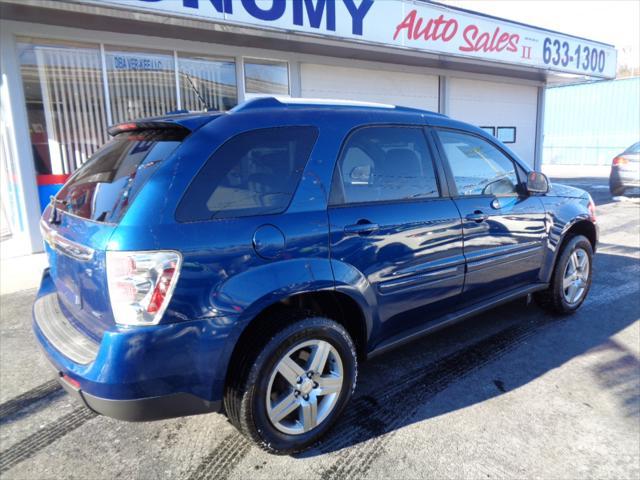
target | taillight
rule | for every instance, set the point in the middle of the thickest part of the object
(592, 209)
(620, 161)
(141, 285)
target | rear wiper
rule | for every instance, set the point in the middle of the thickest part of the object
(54, 219)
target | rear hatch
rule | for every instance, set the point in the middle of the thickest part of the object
(80, 220)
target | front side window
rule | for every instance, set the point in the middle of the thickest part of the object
(381, 164)
(478, 167)
(254, 173)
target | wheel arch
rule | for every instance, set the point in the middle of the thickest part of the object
(338, 306)
(579, 226)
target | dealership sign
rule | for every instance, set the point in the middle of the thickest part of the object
(413, 24)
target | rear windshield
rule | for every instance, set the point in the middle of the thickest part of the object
(104, 187)
(254, 173)
(635, 148)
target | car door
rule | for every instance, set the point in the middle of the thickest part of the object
(390, 222)
(503, 226)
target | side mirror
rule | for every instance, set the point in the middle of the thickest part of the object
(537, 183)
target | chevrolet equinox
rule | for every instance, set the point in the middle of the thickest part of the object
(245, 262)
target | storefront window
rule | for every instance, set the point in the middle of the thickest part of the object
(69, 106)
(266, 77)
(65, 103)
(141, 84)
(207, 83)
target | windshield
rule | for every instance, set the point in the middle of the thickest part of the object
(104, 187)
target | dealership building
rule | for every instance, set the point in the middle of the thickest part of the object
(71, 68)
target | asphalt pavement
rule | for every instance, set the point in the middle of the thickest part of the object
(512, 393)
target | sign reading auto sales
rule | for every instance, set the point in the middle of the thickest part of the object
(412, 24)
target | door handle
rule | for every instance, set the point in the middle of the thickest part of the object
(361, 228)
(477, 216)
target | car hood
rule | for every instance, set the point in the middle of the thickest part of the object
(560, 190)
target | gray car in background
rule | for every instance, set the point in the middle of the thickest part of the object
(625, 170)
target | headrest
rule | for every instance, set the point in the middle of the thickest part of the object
(401, 162)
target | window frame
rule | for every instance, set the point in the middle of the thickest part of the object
(187, 55)
(263, 61)
(519, 169)
(229, 139)
(489, 131)
(437, 171)
(515, 131)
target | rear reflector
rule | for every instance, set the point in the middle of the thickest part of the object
(74, 383)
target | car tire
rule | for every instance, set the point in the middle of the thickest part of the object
(616, 190)
(569, 284)
(266, 380)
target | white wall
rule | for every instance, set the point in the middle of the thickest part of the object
(479, 102)
(483, 103)
(19, 190)
(383, 86)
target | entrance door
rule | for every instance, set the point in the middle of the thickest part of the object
(504, 227)
(389, 222)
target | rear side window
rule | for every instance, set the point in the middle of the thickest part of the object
(381, 164)
(104, 187)
(254, 173)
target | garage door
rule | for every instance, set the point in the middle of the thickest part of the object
(493, 104)
(397, 88)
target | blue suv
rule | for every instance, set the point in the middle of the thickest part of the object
(245, 262)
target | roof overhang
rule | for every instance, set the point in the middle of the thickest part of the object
(480, 44)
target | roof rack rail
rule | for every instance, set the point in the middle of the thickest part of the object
(279, 102)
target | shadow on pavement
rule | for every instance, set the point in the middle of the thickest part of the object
(396, 388)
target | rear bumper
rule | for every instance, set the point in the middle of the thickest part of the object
(625, 177)
(137, 374)
(143, 409)
(60, 332)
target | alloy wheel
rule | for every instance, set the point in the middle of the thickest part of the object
(304, 387)
(576, 276)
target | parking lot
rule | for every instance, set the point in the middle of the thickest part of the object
(514, 392)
